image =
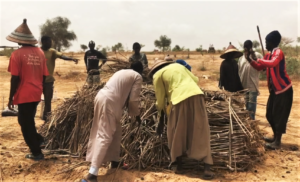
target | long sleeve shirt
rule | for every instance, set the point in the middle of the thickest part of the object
(124, 88)
(229, 76)
(140, 57)
(278, 79)
(249, 76)
(176, 83)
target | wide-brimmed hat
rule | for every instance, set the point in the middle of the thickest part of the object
(22, 35)
(156, 64)
(231, 49)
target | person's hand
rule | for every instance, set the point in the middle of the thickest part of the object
(160, 126)
(253, 56)
(10, 105)
(76, 61)
(248, 57)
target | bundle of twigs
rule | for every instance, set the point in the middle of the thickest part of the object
(234, 138)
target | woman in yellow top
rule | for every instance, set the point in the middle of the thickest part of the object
(188, 130)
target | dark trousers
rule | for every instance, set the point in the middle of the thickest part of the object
(278, 110)
(48, 94)
(26, 116)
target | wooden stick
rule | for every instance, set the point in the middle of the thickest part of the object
(261, 44)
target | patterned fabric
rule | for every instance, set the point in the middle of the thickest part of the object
(93, 80)
(141, 57)
(278, 79)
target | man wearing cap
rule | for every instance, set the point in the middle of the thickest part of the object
(91, 60)
(280, 87)
(122, 90)
(249, 78)
(229, 73)
(186, 112)
(51, 55)
(138, 56)
(28, 69)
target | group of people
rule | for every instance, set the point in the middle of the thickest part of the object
(237, 75)
(179, 98)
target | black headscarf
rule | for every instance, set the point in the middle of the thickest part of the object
(274, 37)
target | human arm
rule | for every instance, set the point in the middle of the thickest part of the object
(85, 60)
(134, 97)
(160, 125)
(277, 56)
(14, 68)
(14, 83)
(66, 58)
(145, 61)
(222, 75)
(254, 63)
(160, 92)
(101, 56)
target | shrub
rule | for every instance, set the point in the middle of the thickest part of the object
(6, 52)
(293, 66)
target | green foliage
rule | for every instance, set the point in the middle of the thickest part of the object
(83, 47)
(57, 29)
(163, 43)
(293, 66)
(256, 44)
(98, 47)
(117, 47)
(178, 48)
(6, 52)
(199, 49)
(103, 51)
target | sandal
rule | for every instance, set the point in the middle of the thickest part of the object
(268, 139)
(208, 176)
(35, 157)
(272, 146)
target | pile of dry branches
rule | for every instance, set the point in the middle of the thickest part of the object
(234, 138)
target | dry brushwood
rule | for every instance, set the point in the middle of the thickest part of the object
(235, 140)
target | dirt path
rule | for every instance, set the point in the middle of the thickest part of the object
(280, 165)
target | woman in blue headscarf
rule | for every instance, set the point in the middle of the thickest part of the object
(182, 62)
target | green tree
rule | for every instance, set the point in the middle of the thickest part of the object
(103, 51)
(83, 47)
(57, 29)
(199, 49)
(256, 44)
(178, 48)
(163, 43)
(117, 47)
(98, 47)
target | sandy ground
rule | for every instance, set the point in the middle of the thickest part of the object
(281, 165)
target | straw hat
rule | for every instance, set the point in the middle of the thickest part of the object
(232, 49)
(22, 35)
(156, 64)
(168, 58)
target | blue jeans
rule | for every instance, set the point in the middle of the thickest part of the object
(250, 100)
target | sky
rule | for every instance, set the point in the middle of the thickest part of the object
(187, 23)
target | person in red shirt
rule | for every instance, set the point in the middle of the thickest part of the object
(28, 70)
(280, 87)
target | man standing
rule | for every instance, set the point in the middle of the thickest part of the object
(250, 78)
(188, 130)
(51, 55)
(280, 87)
(28, 69)
(138, 56)
(91, 59)
(229, 73)
(122, 90)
